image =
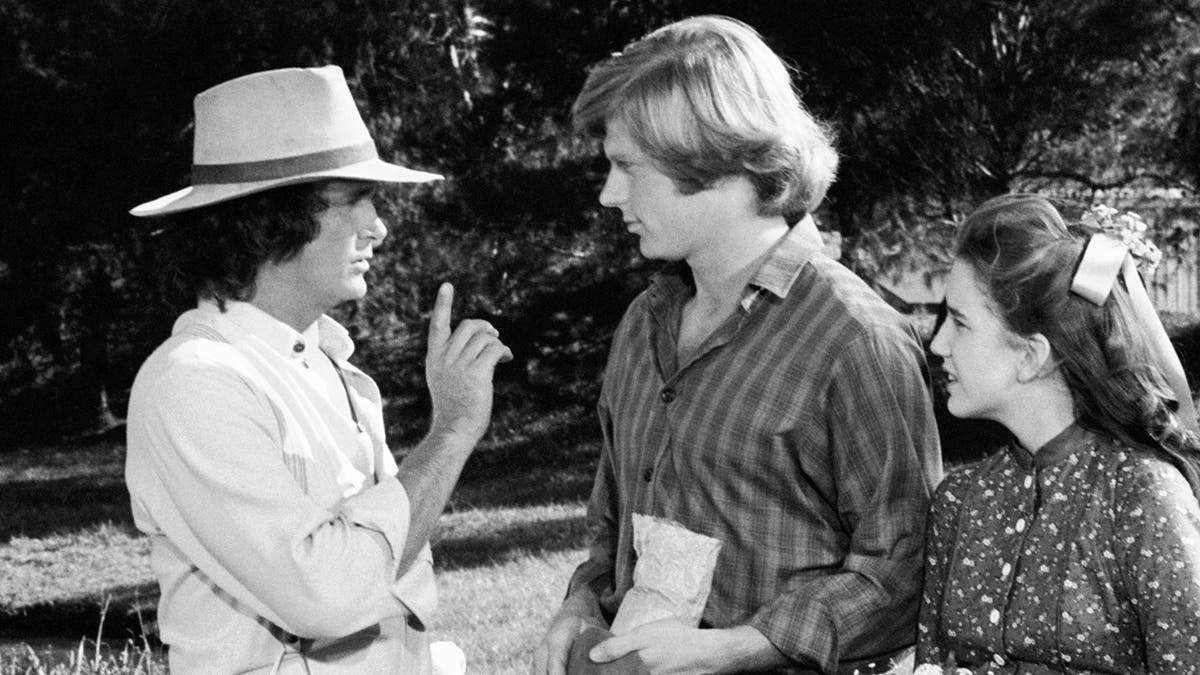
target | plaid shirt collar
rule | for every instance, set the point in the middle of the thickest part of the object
(776, 274)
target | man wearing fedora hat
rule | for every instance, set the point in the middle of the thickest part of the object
(283, 534)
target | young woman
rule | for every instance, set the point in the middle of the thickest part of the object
(1076, 548)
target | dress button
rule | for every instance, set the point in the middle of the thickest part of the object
(667, 395)
(1005, 570)
(298, 347)
(1021, 525)
(648, 474)
(1028, 481)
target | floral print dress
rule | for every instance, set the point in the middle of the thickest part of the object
(1082, 558)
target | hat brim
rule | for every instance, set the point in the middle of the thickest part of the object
(195, 196)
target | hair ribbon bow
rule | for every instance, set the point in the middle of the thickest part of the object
(1120, 247)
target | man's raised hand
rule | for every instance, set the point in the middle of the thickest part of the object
(459, 366)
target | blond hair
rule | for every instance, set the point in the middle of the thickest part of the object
(706, 98)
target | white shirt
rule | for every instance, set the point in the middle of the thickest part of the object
(270, 513)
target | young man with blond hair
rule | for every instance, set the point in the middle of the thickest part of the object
(757, 393)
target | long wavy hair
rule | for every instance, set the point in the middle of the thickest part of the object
(214, 253)
(1026, 254)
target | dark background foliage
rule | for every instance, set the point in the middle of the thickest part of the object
(936, 104)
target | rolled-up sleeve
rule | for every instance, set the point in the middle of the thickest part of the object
(884, 455)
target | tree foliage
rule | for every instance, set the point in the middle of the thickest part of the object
(936, 104)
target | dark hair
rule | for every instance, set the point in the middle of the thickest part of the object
(215, 252)
(706, 98)
(1025, 254)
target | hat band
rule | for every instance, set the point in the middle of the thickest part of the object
(284, 167)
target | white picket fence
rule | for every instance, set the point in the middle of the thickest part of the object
(1175, 286)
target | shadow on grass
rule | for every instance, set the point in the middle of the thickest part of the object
(509, 543)
(130, 614)
(547, 461)
(542, 460)
(37, 508)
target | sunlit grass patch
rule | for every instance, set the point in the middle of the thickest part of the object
(84, 566)
(498, 613)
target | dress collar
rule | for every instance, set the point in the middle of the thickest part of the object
(1055, 450)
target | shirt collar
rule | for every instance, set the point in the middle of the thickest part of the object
(325, 334)
(334, 339)
(776, 275)
(785, 260)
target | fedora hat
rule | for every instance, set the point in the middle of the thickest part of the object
(275, 128)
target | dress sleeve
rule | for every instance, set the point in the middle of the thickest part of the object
(885, 462)
(939, 542)
(206, 470)
(1157, 543)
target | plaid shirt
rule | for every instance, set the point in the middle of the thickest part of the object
(800, 435)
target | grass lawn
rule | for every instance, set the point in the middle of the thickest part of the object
(506, 546)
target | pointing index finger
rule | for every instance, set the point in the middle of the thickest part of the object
(439, 321)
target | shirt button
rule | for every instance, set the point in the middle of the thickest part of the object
(298, 347)
(1005, 570)
(1021, 525)
(648, 474)
(667, 395)
(1028, 481)
(994, 616)
(997, 659)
